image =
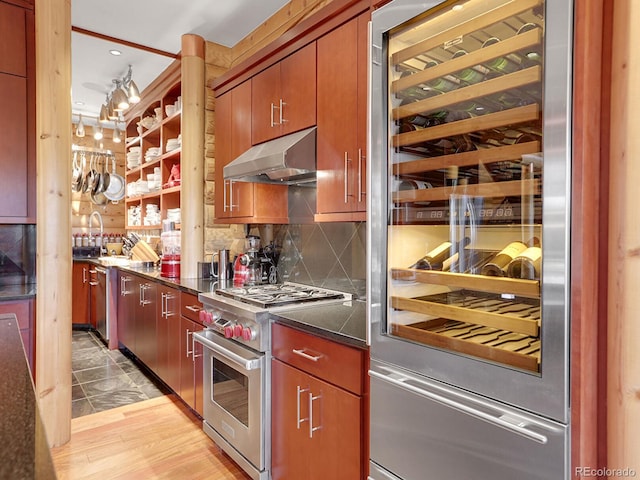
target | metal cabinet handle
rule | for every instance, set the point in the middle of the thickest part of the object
(84, 274)
(166, 313)
(311, 427)
(361, 191)
(302, 353)
(143, 287)
(231, 205)
(224, 196)
(282, 104)
(93, 284)
(346, 177)
(300, 421)
(123, 285)
(193, 308)
(193, 349)
(272, 122)
(189, 332)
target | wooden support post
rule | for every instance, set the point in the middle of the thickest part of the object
(54, 259)
(192, 160)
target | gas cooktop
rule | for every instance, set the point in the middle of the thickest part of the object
(275, 295)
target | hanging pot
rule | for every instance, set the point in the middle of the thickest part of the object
(116, 189)
(91, 177)
(76, 174)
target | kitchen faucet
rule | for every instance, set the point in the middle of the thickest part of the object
(96, 213)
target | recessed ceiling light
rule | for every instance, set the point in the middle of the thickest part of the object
(79, 103)
(457, 8)
(115, 52)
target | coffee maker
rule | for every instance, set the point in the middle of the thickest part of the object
(257, 265)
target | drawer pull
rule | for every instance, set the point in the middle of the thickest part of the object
(302, 353)
(193, 308)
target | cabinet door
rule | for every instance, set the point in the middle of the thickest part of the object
(24, 311)
(13, 48)
(298, 90)
(265, 102)
(13, 146)
(360, 176)
(126, 306)
(168, 337)
(198, 373)
(187, 376)
(316, 427)
(337, 118)
(80, 293)
(146, 329)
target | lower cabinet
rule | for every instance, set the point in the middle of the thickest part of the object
(191, 381)
(144, 316)
(318, 390)
(126, 304)
(80, 293)
(24, 311)
(168, 336)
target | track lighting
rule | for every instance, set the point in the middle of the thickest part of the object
(97, 134)
(80, 127)
(117, 134)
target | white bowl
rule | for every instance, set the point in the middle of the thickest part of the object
(170, 110)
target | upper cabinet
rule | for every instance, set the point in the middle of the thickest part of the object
(283, 97)
(342, 122)
(17, 116)
(241, 202)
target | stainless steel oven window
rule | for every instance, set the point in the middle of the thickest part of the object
(230, 390)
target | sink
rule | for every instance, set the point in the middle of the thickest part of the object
(114, 261)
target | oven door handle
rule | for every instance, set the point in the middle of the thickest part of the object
(246, 364)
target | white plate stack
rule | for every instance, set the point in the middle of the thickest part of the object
(152, 153)
(173, 143)
(152, 215)
(133, 157)
(173, 214)
(133, 215)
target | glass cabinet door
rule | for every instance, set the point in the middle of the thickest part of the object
(464, 230)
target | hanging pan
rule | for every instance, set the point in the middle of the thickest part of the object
(116, 189)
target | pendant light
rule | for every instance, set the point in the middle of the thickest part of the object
(117, 134)
(120, 101)
(97, 134)
(133, 94)
(80, 127)
(104, 114)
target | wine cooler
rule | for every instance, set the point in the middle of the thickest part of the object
(470, 141)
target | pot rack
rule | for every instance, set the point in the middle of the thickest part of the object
(100, 151)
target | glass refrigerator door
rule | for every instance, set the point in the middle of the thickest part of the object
(465, 90)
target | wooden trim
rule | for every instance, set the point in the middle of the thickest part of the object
(192, 46)
(28, 4)
(310, 29)
(588, 290)
(126, 43)
(339, 217)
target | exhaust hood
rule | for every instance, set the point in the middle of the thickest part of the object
(287, 160)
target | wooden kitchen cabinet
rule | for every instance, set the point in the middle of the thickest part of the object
(144, 320)
(168, 336)
(191, 371)
(24, 312)
(318, 407)
(342, 122)
(80, 293)
(242, 202)
(283, 97)
(17, 116)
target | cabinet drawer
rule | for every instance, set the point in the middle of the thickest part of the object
(190, 306)
(338, 364)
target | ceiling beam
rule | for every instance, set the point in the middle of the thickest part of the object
(123, 42)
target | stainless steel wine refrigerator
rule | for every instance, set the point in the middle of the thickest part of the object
(470, 155)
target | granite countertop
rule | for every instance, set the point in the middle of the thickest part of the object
(17, 292)
(342, 322)
(25, 452)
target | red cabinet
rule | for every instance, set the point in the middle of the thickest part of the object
(24, 311)
(80, 293)
(168, 336)
(17, 115)
(342, 122)
(241, 202)
(283, 97)
(126, 307)
(318, 408)
(145, 322)
(191, 374)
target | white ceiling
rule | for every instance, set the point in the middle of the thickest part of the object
(158, 24)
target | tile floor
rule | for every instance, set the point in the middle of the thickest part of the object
(104, 379)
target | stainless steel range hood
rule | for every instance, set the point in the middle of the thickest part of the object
(287, 160)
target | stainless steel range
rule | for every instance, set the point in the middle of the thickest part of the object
(237, 358)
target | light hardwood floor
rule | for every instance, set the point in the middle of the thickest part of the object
(153, 439)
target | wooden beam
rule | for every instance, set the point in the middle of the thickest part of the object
(126, 43)
(53, 262)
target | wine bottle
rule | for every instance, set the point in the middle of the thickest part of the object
(497, 266)
(469, 76)
(501, 65)
(451, 176)
(442, 84)
(441, 255)
(433, 260)
(526, 264)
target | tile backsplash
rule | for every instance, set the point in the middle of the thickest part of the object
(329, 255)
(17, 254)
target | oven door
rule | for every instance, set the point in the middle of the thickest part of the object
(234, 397)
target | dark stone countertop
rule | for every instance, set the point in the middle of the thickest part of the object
(25, 452)
(17, 292)
(343, 322)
